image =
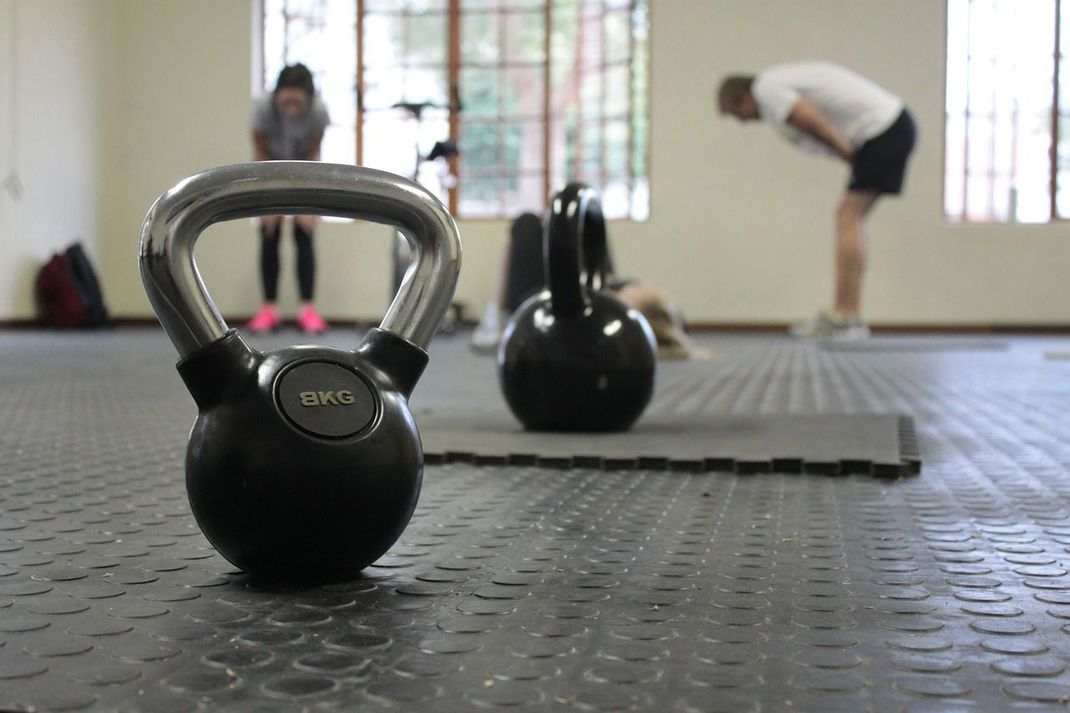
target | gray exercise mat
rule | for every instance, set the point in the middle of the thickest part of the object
(879, 444)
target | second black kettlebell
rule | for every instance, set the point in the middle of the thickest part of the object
(303, 463)
(574, 358)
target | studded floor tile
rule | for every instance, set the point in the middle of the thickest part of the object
(534, 589)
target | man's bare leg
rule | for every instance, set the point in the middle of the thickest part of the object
(851, 242)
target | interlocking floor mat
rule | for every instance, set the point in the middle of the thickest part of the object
(793, 443)
(882, 343)
(536, 589)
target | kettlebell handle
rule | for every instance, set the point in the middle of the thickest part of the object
(177, 218)
(574, 249)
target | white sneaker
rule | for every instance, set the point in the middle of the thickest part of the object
(828, 326)
(488, 333)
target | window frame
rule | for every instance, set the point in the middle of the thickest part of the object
(1056, 112)
(454, 14)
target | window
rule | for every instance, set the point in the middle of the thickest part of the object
(533, 93)
(319, 34)
(1007, 139)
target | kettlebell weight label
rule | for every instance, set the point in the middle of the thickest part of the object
(343, 410)
(342, 397)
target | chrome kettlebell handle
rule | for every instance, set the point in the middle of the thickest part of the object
(575, 249)
(177, 218)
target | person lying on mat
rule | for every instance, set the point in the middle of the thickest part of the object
(828, 109)
(522, 275)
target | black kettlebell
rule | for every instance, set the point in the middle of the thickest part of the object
(303, 463)
(574, 358)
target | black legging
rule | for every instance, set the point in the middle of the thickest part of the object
(525, 274)
(269, 261)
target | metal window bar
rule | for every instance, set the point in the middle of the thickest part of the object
(501, 182)
(359, 79)
(405, 18)
(286, 19)
(603, 145)
(991, 187)
(632, 10)
(966, 116)
(311, 20)
(502, 119)
(1053, 182)
(969, 117)
(262, 23)
(453, 73)
(454, 63)
(1012, 209)
(406, 45)
(547, 84)
(581, 39)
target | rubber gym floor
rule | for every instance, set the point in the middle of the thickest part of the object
(541, 589)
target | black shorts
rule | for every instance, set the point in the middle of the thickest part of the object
(880, 164)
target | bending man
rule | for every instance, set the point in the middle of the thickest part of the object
(825, 108)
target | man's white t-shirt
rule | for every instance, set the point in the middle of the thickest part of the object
(858, 108)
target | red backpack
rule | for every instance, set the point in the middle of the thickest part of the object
(59, 301)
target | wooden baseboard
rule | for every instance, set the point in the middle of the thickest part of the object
(698, 327)
(143, 322)
(892, 328)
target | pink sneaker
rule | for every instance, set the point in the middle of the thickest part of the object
(310, 321)
(266, 320)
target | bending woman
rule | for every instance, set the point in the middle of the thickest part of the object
(288, 124)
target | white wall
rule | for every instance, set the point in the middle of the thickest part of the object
(740, 226)
(55, 91)
(747, 221)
